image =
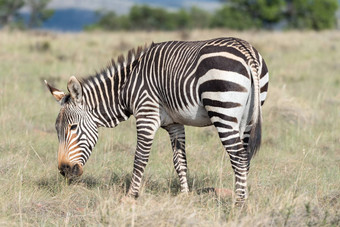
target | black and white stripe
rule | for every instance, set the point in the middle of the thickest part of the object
(221, 81)
(77, 142)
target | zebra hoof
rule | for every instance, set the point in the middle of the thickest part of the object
(185, 191)
(240, 203)
(219, 192)
(223, 192)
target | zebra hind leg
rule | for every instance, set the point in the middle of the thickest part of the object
(245, 141)
(228, 131)
(177, 138)
(228, 127)
(239, 161)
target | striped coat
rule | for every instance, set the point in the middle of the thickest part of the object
(221, 82)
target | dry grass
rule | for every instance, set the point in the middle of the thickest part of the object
(294, 180)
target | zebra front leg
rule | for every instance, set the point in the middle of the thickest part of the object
(177, 138)
(146, 130)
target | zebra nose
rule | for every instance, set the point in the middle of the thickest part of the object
(64, 170)
(70, 172)
(77, 170)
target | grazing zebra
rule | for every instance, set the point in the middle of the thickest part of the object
(221, 82)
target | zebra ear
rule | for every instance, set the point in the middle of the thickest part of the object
(74, 87)
(58, 95)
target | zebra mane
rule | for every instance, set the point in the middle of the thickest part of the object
(112, 68)
(132, 56)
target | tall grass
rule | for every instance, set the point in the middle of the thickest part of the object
(294, 180)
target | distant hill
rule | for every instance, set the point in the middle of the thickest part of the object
(74, 15)
(75, 18)
(68, 20)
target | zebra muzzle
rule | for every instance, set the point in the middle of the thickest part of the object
(71, 172)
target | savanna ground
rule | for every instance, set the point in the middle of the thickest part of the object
(294, 180)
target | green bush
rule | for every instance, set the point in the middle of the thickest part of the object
(144, 17)
(227, 17)
(148, 18)
(110, 21)
(312, 14)
(9, 11)
(257, 13)
(199, 18)
(235, 14)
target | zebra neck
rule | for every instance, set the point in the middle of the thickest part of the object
(102, 96)
(102, 92)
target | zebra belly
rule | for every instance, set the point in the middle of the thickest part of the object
(193, 116)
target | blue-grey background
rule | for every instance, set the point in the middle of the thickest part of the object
(73, 15)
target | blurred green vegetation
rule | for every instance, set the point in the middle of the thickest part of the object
(39, 12)
(9, 13)
(235, 14)
(148, 18)
(315, 14)
(243, 14)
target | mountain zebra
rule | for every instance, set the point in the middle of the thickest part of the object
(221, 82)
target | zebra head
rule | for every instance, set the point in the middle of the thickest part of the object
(76, 129)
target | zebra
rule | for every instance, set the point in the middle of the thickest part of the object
(221, 82)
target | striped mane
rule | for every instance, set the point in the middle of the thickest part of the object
(112, 68)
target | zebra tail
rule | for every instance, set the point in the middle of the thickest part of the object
(254, 142)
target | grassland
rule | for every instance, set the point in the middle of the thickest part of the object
(294, 180)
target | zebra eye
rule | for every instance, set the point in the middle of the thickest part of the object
(74, 126)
